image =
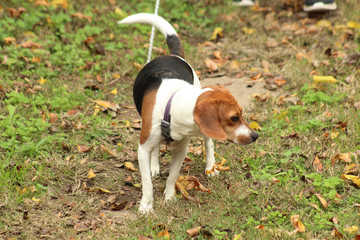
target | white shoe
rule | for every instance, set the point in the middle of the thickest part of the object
(319, 6)
(243, 3)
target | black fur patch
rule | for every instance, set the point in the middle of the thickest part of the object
(150, 77)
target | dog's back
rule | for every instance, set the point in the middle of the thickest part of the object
(166, 67)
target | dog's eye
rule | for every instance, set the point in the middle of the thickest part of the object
(235, 119)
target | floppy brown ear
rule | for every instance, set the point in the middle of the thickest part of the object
(207, 116)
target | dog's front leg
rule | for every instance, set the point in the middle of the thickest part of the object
(210, 158)
(178, 157)
(146, 202)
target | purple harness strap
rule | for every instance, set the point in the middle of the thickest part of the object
(165, 123)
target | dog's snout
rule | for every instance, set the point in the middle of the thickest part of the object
(254, 136)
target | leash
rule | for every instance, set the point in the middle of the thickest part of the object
(165, 123)
(153, 32)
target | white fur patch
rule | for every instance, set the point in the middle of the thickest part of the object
(243, 130)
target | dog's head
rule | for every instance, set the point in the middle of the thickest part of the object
(219, 116)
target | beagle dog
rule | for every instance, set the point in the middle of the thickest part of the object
(174, 107)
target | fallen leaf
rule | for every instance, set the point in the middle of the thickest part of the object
(255, 126)
(248, 31)
(211, 65)
(83, 148)
(260, 227)
(61, 3)
(130, 166)
(9, 40)
(81, 16)
(107, 150)
(322, 200)
(114, 91)
(34, 199)
(217, 55)
(185, 183)
(270, 43)
(317, 165)
(352, 24)
(344, 157)
(91, 174)
(218, 166)
(299, 226)
(218, 33)
(104, 104)
(352, 169)
(352, 230)
(73, 112)
(98, 190)
(354, 179)
(120, 12)
(324, 79)
(53, 118)
(31, 44)
(335, 233)
(193, 232)
(42, 81)
(164, 234)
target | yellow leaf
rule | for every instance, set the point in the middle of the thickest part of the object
(324, 79)
(98, 190)
(37, 200)
(352, 24)
(334, 135)
(255, 126)
(9, 40)
(299, 226)
(114, 91)
(104, 104)
(61, 3)
(323, 23)
(42, 80)
(29, 34)
(164, 234)
(352, 230)
(217, 33)
(248, 31)
(91, 174)
(116, 76)
(354, 179)
(130, 166)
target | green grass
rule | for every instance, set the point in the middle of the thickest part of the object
(44, 184)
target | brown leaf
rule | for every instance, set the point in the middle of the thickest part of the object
(260, 227)
(73, 112)
(193, 232)
(31, 44)
(352, 169)
(322, 200)
(53, 118)
(164, 234)
(217, 55)
(81, 16)
(344, 157)
(83, 148)
(107, 150)
(104, 104)
(211, 65)
(335, 233)
(317, 165)
(270, 43)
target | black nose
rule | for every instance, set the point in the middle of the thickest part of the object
(254, 136)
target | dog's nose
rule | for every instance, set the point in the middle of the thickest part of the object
(254, 136)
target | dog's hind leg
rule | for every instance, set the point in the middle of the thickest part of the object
(178, 157)
(155, 168)
(147, 199)
(210, 158)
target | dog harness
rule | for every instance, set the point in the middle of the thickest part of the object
(165, 123)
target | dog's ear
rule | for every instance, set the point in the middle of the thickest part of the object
(207, 116)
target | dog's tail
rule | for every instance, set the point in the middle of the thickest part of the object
(164, 26)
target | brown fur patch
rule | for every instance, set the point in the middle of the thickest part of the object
(214, 112)
(146, 113)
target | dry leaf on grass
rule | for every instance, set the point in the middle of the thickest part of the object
(322, 200)
(355, 179)
(186, 183)
(318, 165)
(91, 174)
(218, 166)
(299, 226)
(343, 157)
(130, 166)
(218, 33)
(211, 65)
(83, 148)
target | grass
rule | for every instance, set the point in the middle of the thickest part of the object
(45, 188)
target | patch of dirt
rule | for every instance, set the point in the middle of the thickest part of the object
(241, 88)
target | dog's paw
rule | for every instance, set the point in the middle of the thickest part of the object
(213, 174)
(155, 171)
(170, 195)
(145, 207)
